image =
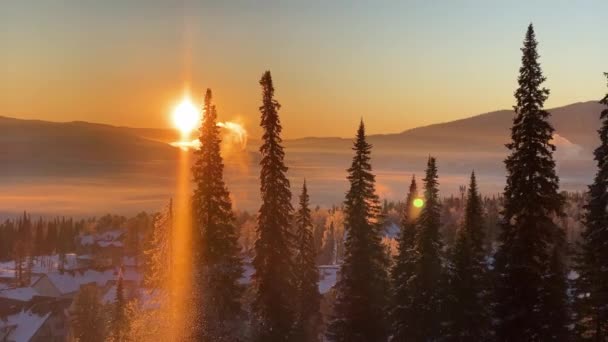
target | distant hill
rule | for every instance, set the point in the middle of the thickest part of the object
(577, 122)
(79, 167)
(42, 148)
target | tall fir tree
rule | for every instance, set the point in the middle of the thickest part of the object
(592, 284)
(89, 320)
(424, 289)
(403, 268)
(273, 313)
(307, 316)
(360, 311)
(51, 238)
(219, 266)
(530, 293)
(468, 275)
(159, 253)
(23, 250)
(119, 325)
(328, 254)
(38, 248)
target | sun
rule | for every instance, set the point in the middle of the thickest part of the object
(186, 117)
(418, 202)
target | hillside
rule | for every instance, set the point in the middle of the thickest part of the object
(79, 167)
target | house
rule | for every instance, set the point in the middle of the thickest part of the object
(15, 298)
(22, 326)
(23, 294)
(102, 249)
(42, 320)
(67, 284)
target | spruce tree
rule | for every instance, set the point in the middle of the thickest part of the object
(159, 253)
(307, 316)
(424, 288)
(23, 250)
(360, 311)
(219, 265)
(403, 268)
(89, 322)
(272, 307)
(38, 249)
(51, 238)
(119, 325)
(328, 255)
(592, 283)
(530, 300)
(468, 284)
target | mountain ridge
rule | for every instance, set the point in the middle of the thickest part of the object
(125, 169)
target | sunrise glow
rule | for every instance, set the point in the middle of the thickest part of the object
(186, 117)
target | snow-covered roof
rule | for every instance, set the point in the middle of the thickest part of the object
(23, 325)
(248, 271)
(109, 296)
(328, 276)
(128, 261)
(41, 264)
(69, 282)
(102, 238)
(392, 230)
(24, 294)
(111, 234)
(131, 274)
(87, 240)
(109, 243)
(7, 273)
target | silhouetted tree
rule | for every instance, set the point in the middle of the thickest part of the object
(39, 238)
(468, 285)
(273, 279)
(592, 283)
(159, 252)
(404, 268)
(51, 238)
(425, 286)
(360, 312)
(530, 302)
(219, 267)
(328, 253)
(23, 250)
(307, 316)
(89, 323)
(119, 325)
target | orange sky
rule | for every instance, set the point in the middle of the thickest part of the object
(397, 65)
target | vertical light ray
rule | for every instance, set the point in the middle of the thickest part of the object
(181, 279)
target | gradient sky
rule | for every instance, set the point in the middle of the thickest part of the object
(397, 64)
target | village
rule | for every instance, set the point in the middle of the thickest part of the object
(45, 310)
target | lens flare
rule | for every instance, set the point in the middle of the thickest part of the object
(418, 203)
(186, 117)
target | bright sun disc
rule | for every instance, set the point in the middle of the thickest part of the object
(186, 116)
(418, 203)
